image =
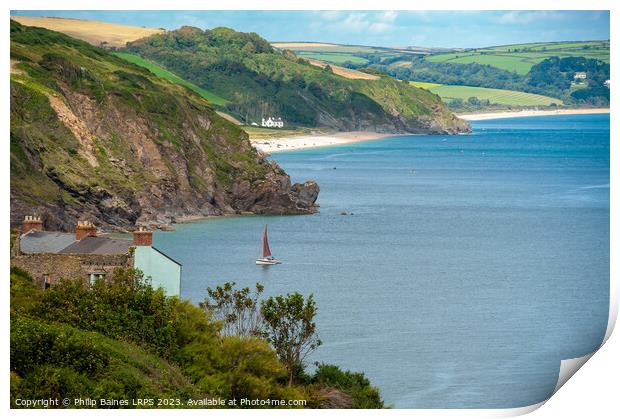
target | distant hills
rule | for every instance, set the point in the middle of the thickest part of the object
(513, 73)
(515, 69)
(517, 58)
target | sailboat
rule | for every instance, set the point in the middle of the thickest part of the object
(267, 259)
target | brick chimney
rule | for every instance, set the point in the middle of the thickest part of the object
(142, 237)
(85, 229)
(32, 222)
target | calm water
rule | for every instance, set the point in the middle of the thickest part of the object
(470, 267)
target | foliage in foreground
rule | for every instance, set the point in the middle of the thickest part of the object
(122, 339)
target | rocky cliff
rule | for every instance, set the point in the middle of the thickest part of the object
(95, 137)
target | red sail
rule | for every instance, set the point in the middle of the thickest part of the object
(266, 250)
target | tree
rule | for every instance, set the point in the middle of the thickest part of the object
(289, 326)
(237, 309)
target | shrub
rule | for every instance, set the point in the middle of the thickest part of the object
(123, 307)
(34, 344)
(354, 384)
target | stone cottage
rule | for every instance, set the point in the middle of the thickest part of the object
(51, 255)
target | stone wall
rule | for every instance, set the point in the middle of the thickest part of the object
(51, 267)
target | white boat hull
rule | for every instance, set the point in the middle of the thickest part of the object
(267, 261)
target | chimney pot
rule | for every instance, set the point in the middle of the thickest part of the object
(142, 237)
(85, 229)
(31, 223)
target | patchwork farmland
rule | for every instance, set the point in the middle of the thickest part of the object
(521, 57)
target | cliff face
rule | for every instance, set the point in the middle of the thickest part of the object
(93, 136)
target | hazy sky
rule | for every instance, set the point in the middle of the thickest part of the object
(379, 28)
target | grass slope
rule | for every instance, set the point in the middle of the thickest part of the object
(498, 96)
(165, 74)
(521, 57)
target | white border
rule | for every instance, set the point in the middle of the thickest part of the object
(596, 381)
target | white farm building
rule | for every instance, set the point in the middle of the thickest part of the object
(272, 122)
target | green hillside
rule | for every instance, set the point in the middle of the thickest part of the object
(93, 135)
(521, 57)
(163, 73)
(494, 96)
(259, 81)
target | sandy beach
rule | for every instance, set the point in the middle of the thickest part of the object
(518, 114)
(273, 145)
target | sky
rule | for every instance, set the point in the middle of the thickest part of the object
(450, 29)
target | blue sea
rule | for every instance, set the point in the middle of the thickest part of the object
(468, 268)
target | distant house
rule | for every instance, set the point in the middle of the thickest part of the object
(580, 76)
(606, 84)
(272, 122)
(51, 255)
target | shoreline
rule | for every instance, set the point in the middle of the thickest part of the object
(307, 141)
(525, 113)
(301, 142)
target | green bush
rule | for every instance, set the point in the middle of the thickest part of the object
(355, 384)
(124, 307)
(34, 344)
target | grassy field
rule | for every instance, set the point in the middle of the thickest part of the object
(91, 31)
(521, 57)
(165, 74)
(336, 58)
(498, 96)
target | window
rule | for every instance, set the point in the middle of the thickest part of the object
(94, 276)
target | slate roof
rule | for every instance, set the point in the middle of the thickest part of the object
(65, 243)
(45, 241)
(98, 246)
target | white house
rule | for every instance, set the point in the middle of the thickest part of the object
(272, 122)
(580, 75)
